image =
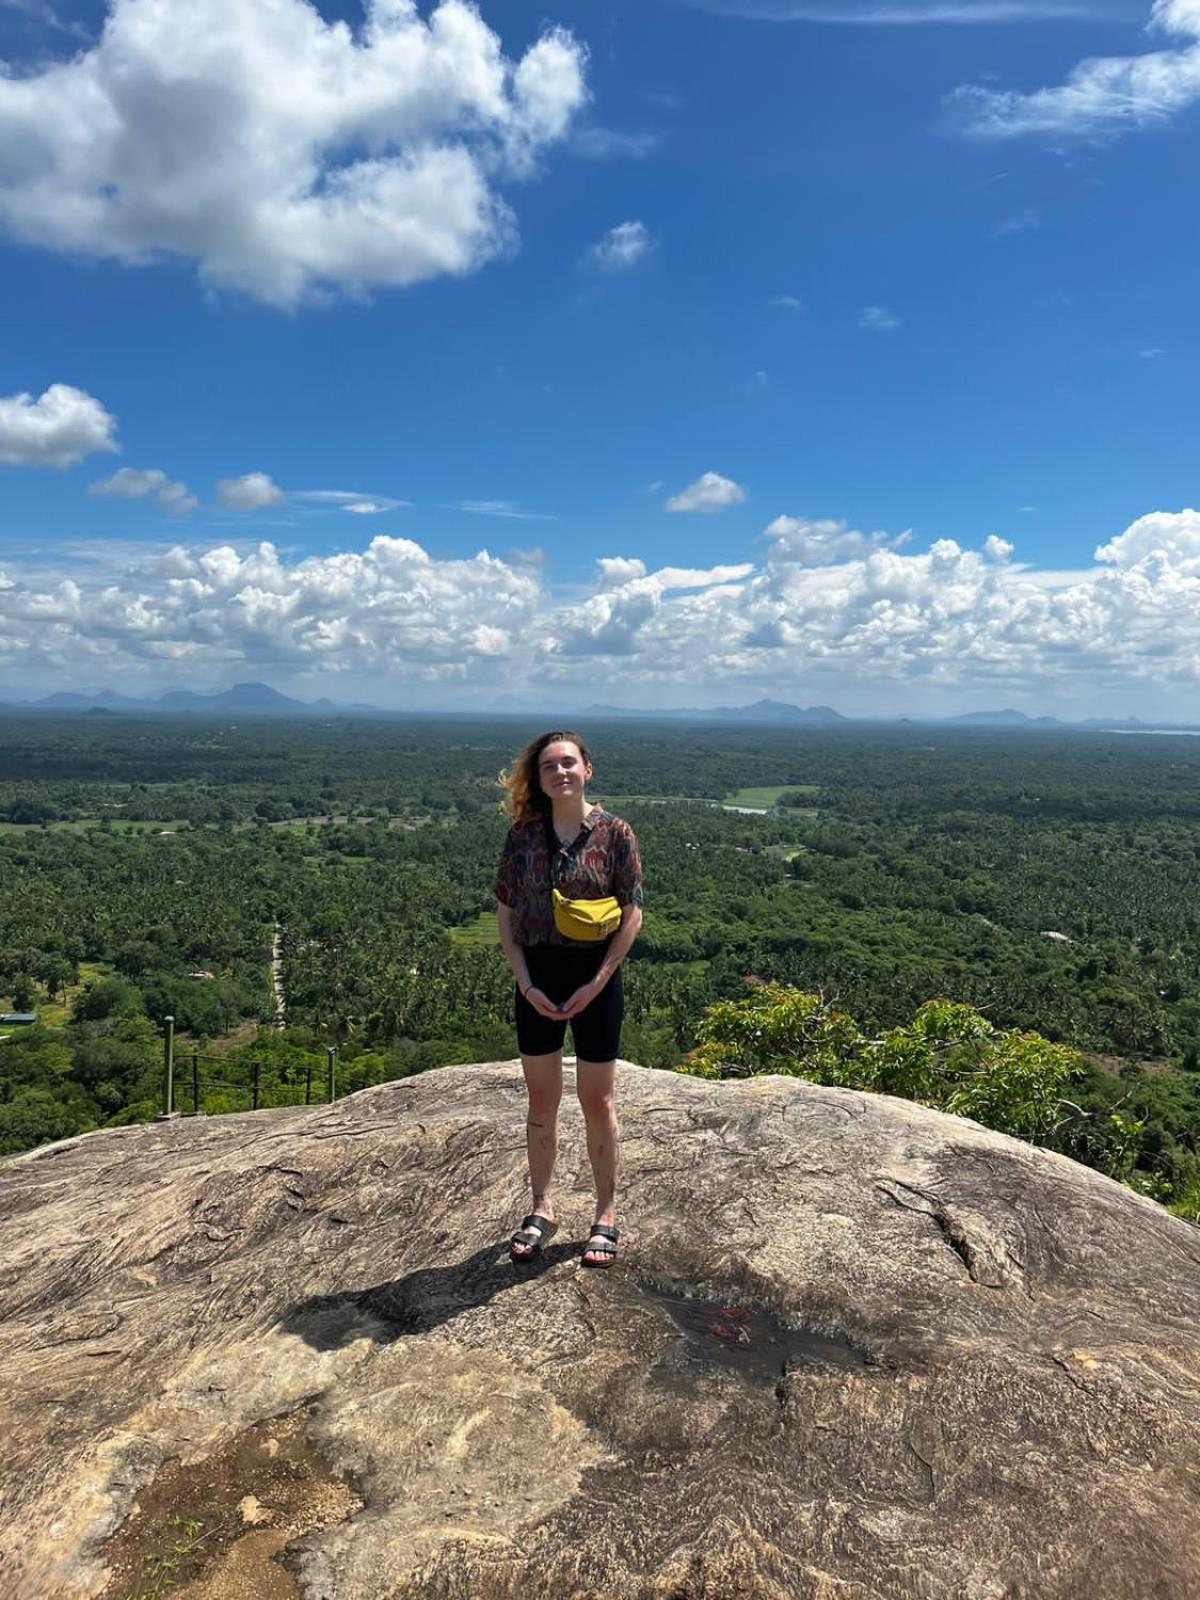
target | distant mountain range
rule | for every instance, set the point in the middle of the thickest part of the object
(260, 700)
(773, 711)
(243, 699)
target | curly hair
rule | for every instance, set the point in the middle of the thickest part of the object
(525, 801)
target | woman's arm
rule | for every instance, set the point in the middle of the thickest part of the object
(631, 926)
(515, 956)
(631, 922)
(513, 952)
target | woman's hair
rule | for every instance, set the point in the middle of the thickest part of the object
(525, 800)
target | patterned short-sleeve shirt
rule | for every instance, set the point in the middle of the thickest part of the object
(601, 860)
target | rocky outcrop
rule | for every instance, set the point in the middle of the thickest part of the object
(853, 1350)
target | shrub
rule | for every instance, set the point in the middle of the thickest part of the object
(949, 1056)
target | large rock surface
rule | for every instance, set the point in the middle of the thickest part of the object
(922, 1361)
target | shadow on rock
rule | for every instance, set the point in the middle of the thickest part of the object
(418, 1302)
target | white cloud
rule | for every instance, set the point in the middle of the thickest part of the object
(285, 155)
(786, 302)
(710, 492)
(608, 144)
(622, 247)
(701, 577)
(1152, 352)
(821, 543)
(131, 483)
(878, 319)
(614, 571)
(858, 614)
(253, 491)
(1168, 538)
(354, 500)
(391, 608)
(56, 430)
(898, 13)
(500, 508)
(1103, 95)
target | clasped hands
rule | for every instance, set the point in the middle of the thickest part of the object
(582, 998)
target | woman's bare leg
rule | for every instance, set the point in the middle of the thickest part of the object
(595, 1083)
(543, 1080)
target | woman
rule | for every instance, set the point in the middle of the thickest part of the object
(560, 840)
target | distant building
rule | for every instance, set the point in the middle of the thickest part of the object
(16, 1018)
(200, 973)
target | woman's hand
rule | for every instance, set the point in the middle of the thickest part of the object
(542, 1005)
(583, 998)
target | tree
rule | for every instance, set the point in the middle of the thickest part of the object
(950, 1056)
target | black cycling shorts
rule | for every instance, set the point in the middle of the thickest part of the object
(558, 970)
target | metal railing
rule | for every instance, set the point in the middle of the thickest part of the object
(187, 1065)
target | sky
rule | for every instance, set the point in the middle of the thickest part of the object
(641, 352)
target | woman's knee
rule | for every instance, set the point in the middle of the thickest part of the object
(597, 1095)
(543, 1081)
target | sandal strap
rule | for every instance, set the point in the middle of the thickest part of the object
(601, 1230)
(538, 1225)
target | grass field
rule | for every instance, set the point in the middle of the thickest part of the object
(785, 852)
(54, 1013)
(477, 935)
(768, 797)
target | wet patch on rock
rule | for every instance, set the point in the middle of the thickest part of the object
(745, 1338)
(214, 1529)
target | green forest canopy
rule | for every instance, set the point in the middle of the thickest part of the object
(892, 866)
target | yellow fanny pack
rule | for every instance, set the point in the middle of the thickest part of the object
(585, 920)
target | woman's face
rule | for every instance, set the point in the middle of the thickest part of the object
(562, 771)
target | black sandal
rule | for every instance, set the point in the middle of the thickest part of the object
(535, 1231)
(606, 1249)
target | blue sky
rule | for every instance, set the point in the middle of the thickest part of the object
(520, 281)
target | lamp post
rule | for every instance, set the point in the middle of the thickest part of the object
(168, 1109)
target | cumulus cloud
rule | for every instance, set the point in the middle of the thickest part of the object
(710, 492)
(613, 571)
(1165, 538)
(1102, 96)
(826, 603)
(286, 155)
(130, 483)
(391, 608)
(253, 491)
(622, 247)
(58, 429)
(820, 543)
